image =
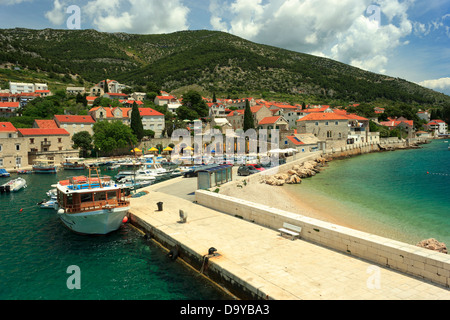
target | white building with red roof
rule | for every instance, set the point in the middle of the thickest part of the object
(9, 109)
(20, 147)
(75, 124)
(437, 127)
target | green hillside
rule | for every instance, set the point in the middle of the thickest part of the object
(215, 61)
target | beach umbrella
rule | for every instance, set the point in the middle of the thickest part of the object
(189, 148)
(153, 149)
(168, 149)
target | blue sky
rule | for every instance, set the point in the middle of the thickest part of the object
(409, 39)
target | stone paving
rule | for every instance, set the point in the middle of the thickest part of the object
(280, 268)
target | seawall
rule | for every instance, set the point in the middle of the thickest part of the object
(423, 263)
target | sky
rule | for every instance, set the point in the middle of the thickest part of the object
(409, 39)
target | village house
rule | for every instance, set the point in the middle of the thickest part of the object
(236, 117)
(405, 125)
(302, 142)
(216, 109)
(9, 109)
(19, 87)
(75, 90)
(43, 93)
(424, 115)
(20, 147)
(75, 124)
(49, 144)
(172, 102)
(13, 153)
(151, 119)
(290, 113)
(326, 126)
(437, 127)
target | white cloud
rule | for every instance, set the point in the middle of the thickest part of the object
(12, 2)
(338, 29)
(138, 16)
(57, 16)
(442, 84)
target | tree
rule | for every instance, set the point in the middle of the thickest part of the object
(136, 122)
(105, 88)
(193, 107)
(248, 117)
(82, 140)
(111, 136)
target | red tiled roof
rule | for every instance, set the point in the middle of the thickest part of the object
(355, 117)
(149, 112)
(269, 120)
(7, 127)
(9, 104)
(316, 116)
(74, 119)
(43, 132)
(107, 110)
(46, 124)
(295, 140)
(165, 97)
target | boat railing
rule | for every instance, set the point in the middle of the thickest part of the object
(77, 208)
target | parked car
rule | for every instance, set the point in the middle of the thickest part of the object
(246, 170)
(256, 166)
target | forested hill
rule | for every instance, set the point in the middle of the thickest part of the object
(216, 61)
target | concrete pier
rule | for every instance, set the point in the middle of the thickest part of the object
(255, 262)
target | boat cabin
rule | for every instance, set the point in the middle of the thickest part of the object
(81, 194)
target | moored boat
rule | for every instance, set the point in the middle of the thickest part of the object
(44, 166)
(91, 205)
(4, 173)
(13, 185)
(73, 164)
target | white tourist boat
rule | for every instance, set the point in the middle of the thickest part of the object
(91, 205)
(13, 185)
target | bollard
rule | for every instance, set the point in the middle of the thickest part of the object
(160, 206)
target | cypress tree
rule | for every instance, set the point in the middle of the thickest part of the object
(248, 117)
(136, 122)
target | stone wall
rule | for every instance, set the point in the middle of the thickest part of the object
(419, 262)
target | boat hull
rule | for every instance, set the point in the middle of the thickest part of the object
(97, 222)
(44, 170)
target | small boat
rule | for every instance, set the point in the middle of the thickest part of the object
(24, 171)
(44, 166)
(49, 204)
(73, 164)
(4, 173)
(13, 185)
(91, 205)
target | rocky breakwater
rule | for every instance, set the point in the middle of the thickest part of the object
(296, 173)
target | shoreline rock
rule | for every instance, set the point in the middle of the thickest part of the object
(433, 244)
(297, 173)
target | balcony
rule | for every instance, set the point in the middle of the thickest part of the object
(46, 144)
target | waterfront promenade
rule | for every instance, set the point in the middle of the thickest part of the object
(261, 262)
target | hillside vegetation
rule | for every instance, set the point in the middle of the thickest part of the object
(214, 61)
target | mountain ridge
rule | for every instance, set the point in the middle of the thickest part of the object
(216, 61)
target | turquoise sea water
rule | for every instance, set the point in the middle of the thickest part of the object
(402, 195)
(36, 251)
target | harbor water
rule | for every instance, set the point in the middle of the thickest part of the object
(402, 195)
(39, 254)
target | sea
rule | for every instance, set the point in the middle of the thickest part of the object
(402, 195)
(40, 259)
